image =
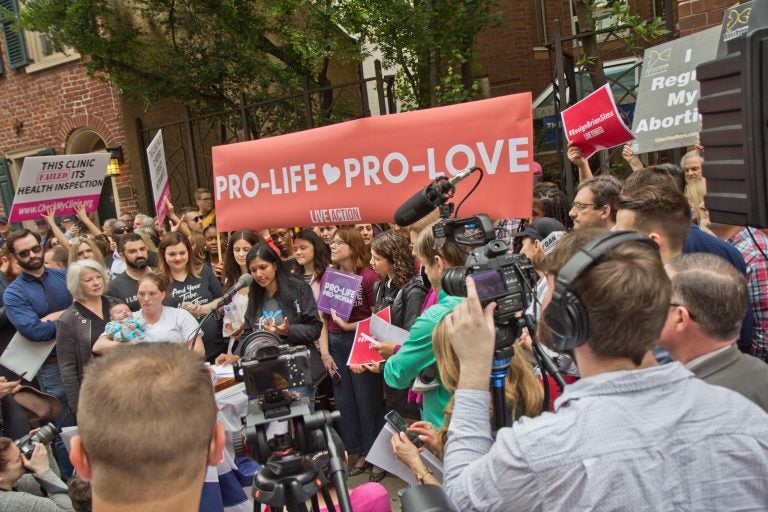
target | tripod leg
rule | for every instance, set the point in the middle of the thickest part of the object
(327, 498)
(315, 503)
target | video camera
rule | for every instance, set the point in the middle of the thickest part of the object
(499, 275)
(289, 475)
(45, 435)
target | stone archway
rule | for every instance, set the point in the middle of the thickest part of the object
(87, 140)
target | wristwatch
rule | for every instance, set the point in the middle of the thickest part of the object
(422, 474)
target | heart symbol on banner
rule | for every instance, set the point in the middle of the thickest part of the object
(331, 173)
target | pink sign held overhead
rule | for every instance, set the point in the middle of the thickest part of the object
(595, 123)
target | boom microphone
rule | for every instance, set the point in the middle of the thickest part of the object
(245, 280)
(430, 197)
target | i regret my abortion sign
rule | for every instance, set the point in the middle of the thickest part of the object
(363, 170)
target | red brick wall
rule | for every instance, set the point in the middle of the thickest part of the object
(696, 15)
(506, 54)
(53, 103)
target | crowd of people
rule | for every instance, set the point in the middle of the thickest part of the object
(660, 333)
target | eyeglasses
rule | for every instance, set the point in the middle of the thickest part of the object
(197, 218)
(581, 206)
(280, 234)
(206, 198)
(32, 250)
(336, 242)
(120, 231)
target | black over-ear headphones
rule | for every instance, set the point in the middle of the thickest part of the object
(566, 315)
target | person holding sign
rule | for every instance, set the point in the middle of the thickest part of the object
(358, 393)
(402, 290)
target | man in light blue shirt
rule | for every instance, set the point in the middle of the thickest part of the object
(622, 438)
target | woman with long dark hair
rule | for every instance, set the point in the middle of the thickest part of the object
(239, 244)
(231, 267)
(282, 304)
(312, 258)
(359, 395)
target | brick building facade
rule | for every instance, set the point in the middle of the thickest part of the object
(696, 15)
(513, 56)
(59, 108)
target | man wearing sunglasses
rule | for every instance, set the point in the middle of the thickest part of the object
(192, 219)
(33, 303)
(117, 262)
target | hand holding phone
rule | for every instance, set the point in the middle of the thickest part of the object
(400, 425)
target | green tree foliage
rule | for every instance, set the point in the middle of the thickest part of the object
(641, 33)
(430, 41)
(201, 52)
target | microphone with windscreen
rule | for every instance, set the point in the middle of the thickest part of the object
(430, 197)
(245, 280)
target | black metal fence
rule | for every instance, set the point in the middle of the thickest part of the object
(188, 142)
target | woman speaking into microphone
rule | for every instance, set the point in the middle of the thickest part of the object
(282, 304)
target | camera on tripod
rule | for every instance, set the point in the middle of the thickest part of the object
(289, 475)
(272, 367)
(499, 276)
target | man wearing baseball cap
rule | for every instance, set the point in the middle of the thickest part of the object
(537, 237)
(69, 226)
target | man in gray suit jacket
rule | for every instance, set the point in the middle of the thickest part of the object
(709, 297)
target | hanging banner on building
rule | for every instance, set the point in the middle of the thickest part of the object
(363, 170)
(158, 172)
(595, 123)
(667, 114)
(59, 182)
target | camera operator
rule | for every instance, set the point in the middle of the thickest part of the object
(623, 437)
(29, 485)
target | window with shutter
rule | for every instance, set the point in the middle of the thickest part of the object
(15, 49)
(7, 190)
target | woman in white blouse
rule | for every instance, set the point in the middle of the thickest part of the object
(163, 323)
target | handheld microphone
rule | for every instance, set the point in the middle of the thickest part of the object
(430, 197)
(245, 280)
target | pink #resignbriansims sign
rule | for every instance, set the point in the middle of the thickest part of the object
(61, 183)
(595, 123)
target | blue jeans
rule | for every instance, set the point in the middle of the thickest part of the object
(359, 398)
(49, 380)
(307, 393)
